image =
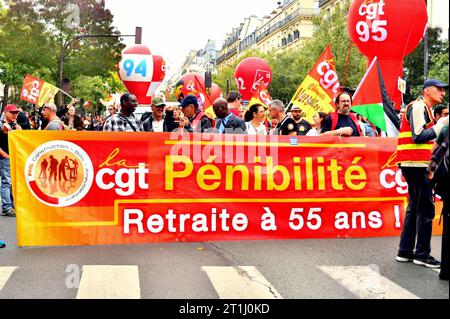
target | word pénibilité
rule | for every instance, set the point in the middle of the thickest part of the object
(306, 173)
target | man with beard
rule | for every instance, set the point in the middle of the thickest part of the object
(303, 125)
(342, 122)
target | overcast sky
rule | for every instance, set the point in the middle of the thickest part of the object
(171, 28)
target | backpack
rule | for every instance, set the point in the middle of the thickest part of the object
(438, 169)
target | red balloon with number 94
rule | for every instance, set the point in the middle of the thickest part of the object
(141, 72)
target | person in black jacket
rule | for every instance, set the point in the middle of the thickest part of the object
(227, 122)
(199, 122)
(155, 121)
(23, 120)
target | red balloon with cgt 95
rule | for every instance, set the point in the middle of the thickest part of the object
(389, 30)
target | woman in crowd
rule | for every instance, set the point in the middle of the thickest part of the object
(366, 127)
(255, 118)
(73, 120)
(318, 119)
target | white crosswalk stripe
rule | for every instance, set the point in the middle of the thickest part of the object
(109, 282)
(243, 282)
(5, 274)
(240, 283)
(366, 282)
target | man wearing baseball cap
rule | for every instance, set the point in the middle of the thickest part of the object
(303, 125)
(11, 113)
(199, 122)
(155, 122)
(417, 133)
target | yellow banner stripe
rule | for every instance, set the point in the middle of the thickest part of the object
(412, 147)
(261, 200)
(223, 143)
(405, 134)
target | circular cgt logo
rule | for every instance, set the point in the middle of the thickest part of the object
(59, 173)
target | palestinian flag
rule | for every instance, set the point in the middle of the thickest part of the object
(372, 101)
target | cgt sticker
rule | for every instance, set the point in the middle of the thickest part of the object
(59, 173)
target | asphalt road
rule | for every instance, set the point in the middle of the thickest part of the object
(294, 268)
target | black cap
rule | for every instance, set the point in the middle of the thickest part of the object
(188, 100)
(434, 82)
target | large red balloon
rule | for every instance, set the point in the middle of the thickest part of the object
(249, 74)
(387, 28)
(216, 92)
(390, 30)
(187, 85)
(141, 72)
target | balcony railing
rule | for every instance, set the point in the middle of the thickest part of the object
(248, 41)
(231, 52)
(221, 58)
(301, 12)
(322, 2)
(225, 56)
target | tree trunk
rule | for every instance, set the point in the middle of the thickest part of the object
(5, 95)
(59, 96)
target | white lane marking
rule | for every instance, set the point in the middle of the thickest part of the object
(240, 283)
(5, 274)
(109, 282)
(366, 282)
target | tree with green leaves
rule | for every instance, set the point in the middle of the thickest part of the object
(438, 64)
(94, 88)
(290, 67)
(350, 63)
(227, 72)
(52, 39)
(20, 50)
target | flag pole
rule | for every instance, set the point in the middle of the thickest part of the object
(67, 94)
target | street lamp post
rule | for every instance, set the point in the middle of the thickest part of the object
(138, 40)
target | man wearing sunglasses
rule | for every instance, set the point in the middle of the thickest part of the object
(111, 111)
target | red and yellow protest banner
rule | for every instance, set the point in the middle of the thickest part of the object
(88, 188)
(321, 85)
(204, 98)
(261, 96)
(37, 91)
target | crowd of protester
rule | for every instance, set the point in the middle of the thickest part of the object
(422, 119)
(258, 119)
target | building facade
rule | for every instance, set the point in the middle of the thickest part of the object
(287, 26)
(193, 63)
(328, 6)
(283, 29)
